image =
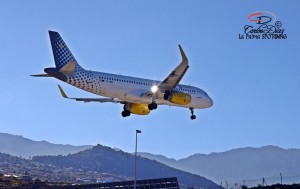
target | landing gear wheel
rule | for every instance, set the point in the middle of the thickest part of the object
(193, 117)
(125, 113)
(152, 106)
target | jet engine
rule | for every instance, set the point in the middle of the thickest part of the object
(139, 109)
(178, 97)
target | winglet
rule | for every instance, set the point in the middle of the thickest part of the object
(182, 54)
(62, 92)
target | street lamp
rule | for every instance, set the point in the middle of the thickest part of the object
(136, 132)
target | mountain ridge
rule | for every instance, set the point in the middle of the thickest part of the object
(240, 164)
(234, 165)
(18, 145)
(100, 159)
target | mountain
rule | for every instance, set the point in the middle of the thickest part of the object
(107, 160)
(247, 165)
(20, 146)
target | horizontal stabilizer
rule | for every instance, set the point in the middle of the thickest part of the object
(41, 75)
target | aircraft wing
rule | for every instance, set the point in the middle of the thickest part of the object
(176, 75)
(85, 100)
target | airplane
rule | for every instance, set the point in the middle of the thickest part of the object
(138, 95)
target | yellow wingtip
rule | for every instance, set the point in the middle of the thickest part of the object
(62, 92)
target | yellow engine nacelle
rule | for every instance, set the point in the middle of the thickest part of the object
(178, 98)
(139, 109)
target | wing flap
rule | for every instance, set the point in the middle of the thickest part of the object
(101, 100)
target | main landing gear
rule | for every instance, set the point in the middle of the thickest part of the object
(126, 112)
(192, 112)
(152, 106)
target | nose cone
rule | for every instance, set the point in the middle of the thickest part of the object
(211, 102)
(208, 101)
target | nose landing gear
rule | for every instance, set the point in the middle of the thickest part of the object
(192, 112)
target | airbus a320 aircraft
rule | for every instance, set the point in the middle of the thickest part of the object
(139, 96)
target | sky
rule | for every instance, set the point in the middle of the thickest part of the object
(255, 84)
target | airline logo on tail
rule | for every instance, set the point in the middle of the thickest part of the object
(62, 54)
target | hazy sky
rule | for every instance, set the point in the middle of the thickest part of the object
(255, 84)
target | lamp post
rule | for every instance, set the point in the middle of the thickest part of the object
(136, 132)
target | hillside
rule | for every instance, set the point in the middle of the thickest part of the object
(107, 160)
(241, 164)
(20, 146)
(14, 165)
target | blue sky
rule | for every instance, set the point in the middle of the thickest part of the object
(255, 84)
